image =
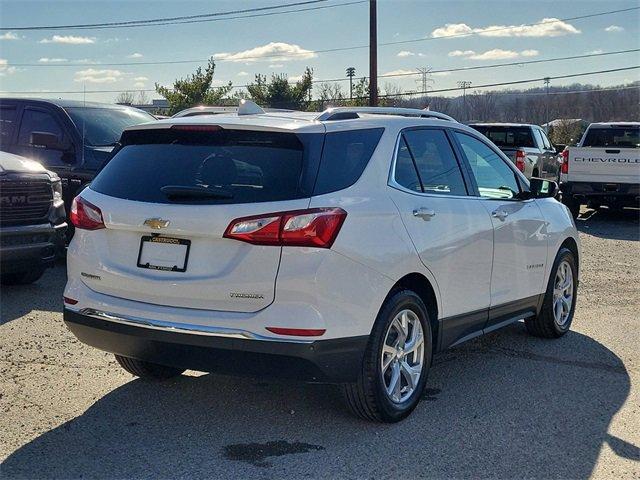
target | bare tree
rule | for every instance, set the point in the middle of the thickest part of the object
(126, 98)
(143, 98)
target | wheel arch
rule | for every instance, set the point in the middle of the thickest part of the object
(421, 285)
(571, 244)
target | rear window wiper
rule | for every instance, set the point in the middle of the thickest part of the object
(195, 191)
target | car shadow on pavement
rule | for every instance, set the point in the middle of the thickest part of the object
(506, 405)
(19, 300)
(605, 223)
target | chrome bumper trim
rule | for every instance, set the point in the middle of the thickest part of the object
(183, 327)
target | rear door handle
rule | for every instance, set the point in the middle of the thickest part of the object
(424, 213)
(500, 214)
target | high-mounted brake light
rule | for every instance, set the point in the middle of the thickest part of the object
(520, 157)
(85, 215)
(564, 168)
(197, 128)
(315, 227)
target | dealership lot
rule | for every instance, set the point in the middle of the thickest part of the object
(506, 405)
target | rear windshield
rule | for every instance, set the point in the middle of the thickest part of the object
(233, 166)
(621, 137)
(505, 136)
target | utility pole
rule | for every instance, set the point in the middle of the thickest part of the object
(351, 72)
(373, 53)
(547, 81)
(463, 84)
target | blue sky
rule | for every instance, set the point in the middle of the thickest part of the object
(232, 41)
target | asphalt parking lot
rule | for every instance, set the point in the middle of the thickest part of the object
(506, 405)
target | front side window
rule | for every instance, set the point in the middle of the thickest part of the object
(37, 121)
(494, 177)
(432, 157)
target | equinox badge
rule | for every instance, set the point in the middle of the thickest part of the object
(156, 223)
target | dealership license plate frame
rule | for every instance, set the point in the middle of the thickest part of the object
(164, 240)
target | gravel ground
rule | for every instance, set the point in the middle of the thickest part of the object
(506, 405)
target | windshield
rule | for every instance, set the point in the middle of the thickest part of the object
(621, 137)
(103, 126)
(505, 136)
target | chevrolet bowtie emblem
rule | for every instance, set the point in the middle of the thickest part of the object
(156, 223)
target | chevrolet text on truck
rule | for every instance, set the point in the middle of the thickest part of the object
(604, 169)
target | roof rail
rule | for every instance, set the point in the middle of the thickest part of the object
(338, 113)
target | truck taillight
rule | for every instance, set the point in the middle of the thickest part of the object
(315, 227)
(564, 168)
(85, 215)
(520, 157)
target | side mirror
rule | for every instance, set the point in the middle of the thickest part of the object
(47, 140)
(541, 188)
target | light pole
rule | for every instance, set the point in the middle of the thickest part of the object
(547, 81)
(463, 84)
(373, 53)
(351, 72)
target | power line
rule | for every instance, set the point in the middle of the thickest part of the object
(152, 22)
(381, 96)
(566, 92)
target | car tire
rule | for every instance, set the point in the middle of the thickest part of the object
(558, 307)
(373, 397)
(148, 370)
(572, 204)
(22, 278)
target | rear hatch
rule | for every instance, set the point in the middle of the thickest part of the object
(167, 197)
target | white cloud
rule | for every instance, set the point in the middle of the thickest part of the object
(406, 53)
(460, 53)
(140, 79)
(92, 75)
(595, 52)
(530, 53)
(614, 29)
(295, 78)
(135, 55)
(69, 40)
(441, 74)
(9, 36)
(495, 54)
(242, 74)
(547, 27)
(400, 71)
(5, 69)
(276, 65)
(52, 60)
(138, 85)
(278, 51)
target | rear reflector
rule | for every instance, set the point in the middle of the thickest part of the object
(315, 227)
(69, 301)
(85, 215)
(297, 332)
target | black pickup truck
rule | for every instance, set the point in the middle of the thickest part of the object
(72, 138)
(32, 219)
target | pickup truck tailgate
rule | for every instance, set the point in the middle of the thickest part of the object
(604, 165)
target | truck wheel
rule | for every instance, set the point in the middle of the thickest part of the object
(556, 314)
(396, 361)
(572, 204)
(148, 370)
(21, 278)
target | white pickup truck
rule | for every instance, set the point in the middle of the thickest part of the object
(604, 169)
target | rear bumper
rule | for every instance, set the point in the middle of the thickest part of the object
(31, 246)
(323, 361)
(623, 193)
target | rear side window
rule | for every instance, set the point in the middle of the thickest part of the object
(242, 166)
(508, 137)
(621, 137)
(344, 157)
(37, 121)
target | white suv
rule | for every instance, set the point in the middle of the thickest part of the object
(344, 247)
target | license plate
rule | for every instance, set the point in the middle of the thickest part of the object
(164, 253)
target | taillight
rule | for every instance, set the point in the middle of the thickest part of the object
(70, 301)
(315, 227)
(520, 157)
(564, 168)
(85, 215)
